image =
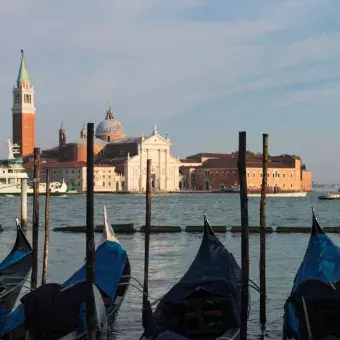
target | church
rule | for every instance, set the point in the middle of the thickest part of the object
(127, 155)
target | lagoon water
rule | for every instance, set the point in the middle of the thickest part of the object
(171, 254)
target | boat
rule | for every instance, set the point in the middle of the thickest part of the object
(58, 311)
(14, 270)
(313, 308)
(205, 303)
(333, 197)
(280, 194)
(12, 172)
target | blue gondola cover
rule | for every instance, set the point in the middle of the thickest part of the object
(321, 263)
(110, 260)
(13, 258)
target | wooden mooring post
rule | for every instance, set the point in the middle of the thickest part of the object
(90, 247)
(47, 229)
(23, 221)
(35, 226)
(147, 233)
(263, 204)
(242, 170)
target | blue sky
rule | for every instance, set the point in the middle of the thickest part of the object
(202, 70)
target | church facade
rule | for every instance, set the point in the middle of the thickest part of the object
(164, 167)
(127, 154)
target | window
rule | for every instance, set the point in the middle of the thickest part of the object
(103, 184)
(284, 175)
(248, 174)
(253, 174)
(109, 184)
(273, 174)
(27, 98)
(291, 175)
(284, 185)
(17, 98)
(278, 174)
(268, 174)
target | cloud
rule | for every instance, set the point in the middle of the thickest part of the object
(158, 59)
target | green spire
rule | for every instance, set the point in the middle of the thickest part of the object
(23, 74)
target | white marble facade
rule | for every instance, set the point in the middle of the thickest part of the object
(164, 170)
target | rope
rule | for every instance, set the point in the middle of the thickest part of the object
(131, 277)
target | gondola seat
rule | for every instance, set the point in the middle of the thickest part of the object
(202, 315)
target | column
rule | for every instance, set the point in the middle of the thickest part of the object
(159, 169)
(141, 168)
(166, 169)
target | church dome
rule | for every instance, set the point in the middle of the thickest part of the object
(110, 129)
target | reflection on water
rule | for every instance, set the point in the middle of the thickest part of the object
(171, 254)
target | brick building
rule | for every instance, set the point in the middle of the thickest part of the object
(207, 171)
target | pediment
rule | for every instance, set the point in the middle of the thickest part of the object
(156, 140)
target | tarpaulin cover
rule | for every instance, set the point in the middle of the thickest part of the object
(213, 270)
(20, 249)
(171, 336)
(321, 263)
(110, 260)
(13, 258)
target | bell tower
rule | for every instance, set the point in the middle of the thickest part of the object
(23, 111)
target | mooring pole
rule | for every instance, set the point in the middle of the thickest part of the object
(35, 227)
(242, 170)
(47, 229)
(90, 248)
(263, 204)
(147, 233)
(24, 205)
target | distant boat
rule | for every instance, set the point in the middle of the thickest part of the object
(280, 194)
(330, 197)
(12, 172)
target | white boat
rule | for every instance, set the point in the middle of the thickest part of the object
(12, 171)
(280, 194)
(330, 197)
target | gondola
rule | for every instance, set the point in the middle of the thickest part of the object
(312, 310)
(14, 270)
(205, 303)
(58, 311)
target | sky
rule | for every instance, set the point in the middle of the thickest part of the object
(201, 70)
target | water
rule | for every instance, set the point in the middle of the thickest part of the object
(171, 254)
